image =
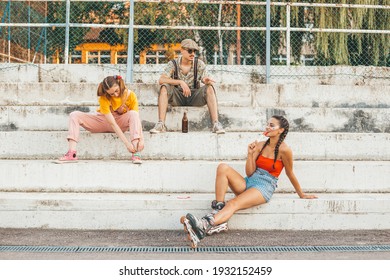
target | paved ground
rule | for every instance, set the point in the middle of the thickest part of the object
(48, 237)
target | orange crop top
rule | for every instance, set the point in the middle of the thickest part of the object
(267, 163)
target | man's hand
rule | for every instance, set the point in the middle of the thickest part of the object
(186, 89)
(208, 81)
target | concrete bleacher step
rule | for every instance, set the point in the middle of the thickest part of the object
(242, 107)
(194, 145)
(339, 134)
(163, 211)
(232, 118)
(235, 95)
(194, 176)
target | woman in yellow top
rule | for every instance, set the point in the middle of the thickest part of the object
(118, 112)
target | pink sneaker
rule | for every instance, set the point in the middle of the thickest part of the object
(136, 158)
(70, 156)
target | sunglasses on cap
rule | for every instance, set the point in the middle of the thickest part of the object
(190, 51)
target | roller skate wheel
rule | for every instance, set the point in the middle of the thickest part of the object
(182, 219)
(193, 245)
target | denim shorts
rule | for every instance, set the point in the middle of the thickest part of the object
(262, 181)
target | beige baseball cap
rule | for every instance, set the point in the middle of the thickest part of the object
(189, 44)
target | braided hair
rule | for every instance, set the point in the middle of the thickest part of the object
(283, 123)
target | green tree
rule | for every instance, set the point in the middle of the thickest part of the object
(352, 48)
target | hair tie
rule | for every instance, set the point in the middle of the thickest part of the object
(117, 77)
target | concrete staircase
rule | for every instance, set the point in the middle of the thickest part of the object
(340, 136)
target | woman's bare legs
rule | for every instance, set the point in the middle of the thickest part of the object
(247, 199)
(228, 177)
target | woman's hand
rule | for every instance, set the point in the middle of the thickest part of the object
(138, 144)
(141, 144)
(122, 109)
(308, 196)
(130, 148)
(252, 147)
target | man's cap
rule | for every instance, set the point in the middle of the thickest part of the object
(189, 44)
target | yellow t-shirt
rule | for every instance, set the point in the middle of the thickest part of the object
(106, 104)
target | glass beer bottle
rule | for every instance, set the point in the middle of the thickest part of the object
(184, 123)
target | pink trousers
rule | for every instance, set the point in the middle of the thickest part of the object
(97, 123)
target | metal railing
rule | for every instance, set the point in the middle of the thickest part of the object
(270, 38)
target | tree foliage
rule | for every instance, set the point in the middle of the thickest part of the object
(81, 12)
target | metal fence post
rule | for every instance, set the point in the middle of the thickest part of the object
(288, 34)
(9, 31)
(29, 31)
(130, 45)
(268, 42)
(45, 48)
(66, 51)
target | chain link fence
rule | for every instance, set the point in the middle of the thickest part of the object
(232, 34)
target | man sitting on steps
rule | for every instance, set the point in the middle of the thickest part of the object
(180, 86)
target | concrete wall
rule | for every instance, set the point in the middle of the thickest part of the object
(84, 73)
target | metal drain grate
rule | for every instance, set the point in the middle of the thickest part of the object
(254, 249)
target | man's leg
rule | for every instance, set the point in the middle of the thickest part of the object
(163, 97)
(162, 103)
(211, 99)
(206, 95)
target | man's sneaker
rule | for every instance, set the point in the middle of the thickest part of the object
(158, 128)
(70, 156)
(136, 158)
(217, 128)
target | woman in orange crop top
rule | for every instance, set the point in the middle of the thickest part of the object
(117, 112)
(264, 163)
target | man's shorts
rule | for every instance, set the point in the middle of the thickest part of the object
(176, 97)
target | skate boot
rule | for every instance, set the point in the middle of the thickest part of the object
(217, 206)
(218, 228)
(196, 228)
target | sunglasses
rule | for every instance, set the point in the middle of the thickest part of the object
(190, 51)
